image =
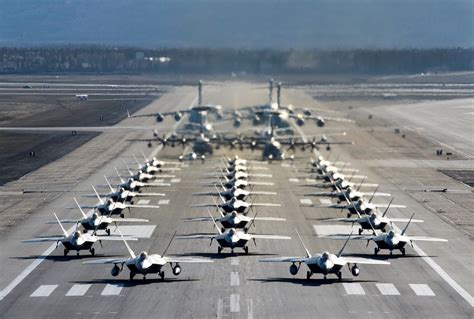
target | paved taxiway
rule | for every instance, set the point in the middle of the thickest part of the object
(234, 285)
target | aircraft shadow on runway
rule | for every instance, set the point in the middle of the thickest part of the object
(316, 282)
(138, 281)
(387, 256)
(62, 258)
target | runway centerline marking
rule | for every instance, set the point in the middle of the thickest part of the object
(234, 303)
(78, 290)
(234, 278)
(249, 308)
(44, 291)
(387, 289)
(422, 290)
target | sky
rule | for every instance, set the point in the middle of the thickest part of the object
(257, 24)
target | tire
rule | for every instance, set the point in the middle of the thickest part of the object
(108, 231)
(92, 251)
(162, 275)
(131, 276)
(66, 251)
(339, 276)
(403, 251)
(376, 250)
(360, 231)
(219, 250)
(308, 275)
(246, 249)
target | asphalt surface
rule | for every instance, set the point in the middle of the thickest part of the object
(434, 280)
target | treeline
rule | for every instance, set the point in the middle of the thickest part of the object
(94, 59)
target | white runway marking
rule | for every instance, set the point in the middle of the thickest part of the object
(163, 202)
(422, 290)
(325, 230)
(353, 288)
(442, 273)
(143, 202)
(140, 231)
(325, 201)
(306, 201)
(112, 290)
(44, 291)
(387, 289)
(249, 309)
(158, 181)
(234, 261)
(310, 180)
(285, 165)
(294, 180)
(18, 279)
(78, 290)
(175, 180)
(234, 278)
(220, 308)
(234, 303)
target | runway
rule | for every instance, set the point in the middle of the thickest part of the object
(237, 285)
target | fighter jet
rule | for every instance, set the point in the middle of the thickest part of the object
(110, 207)
(132, 185)
(124, 195)
(229, 193)
(325, 263)
(237, 205)
(76, 241)
(97, 222)
(234, 220)
(232, 238)
(393, 240)
(375, 221)
(145, 264)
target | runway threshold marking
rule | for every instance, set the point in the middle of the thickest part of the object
(437, 268)
(175, 180)
(112, 290)
(294, 180)
(44, 291)
(306, 201)
(422, 290)
(387, 289)
(78, 290)
(325, 201)
(163, 202)
(234, 303)
(353, 288)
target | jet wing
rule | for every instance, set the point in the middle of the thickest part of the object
(367, 261)
(391, 206)
(107, 261)
(269, 237)
(423, 238)
(112, 238)
(186, 260)
(345, 220)
(269, 218)
(284, 260)
(43, 239)
(336, 119)
(149, 194)
(265, 205)
(195, 236)
(261, 183)
(142, 206)
(376, 194)
(130, 220)
(406, 220)
(156, 184)
(64, 221)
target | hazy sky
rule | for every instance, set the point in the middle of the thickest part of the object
(240, 23)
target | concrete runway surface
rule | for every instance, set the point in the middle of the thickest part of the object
(434, 280)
